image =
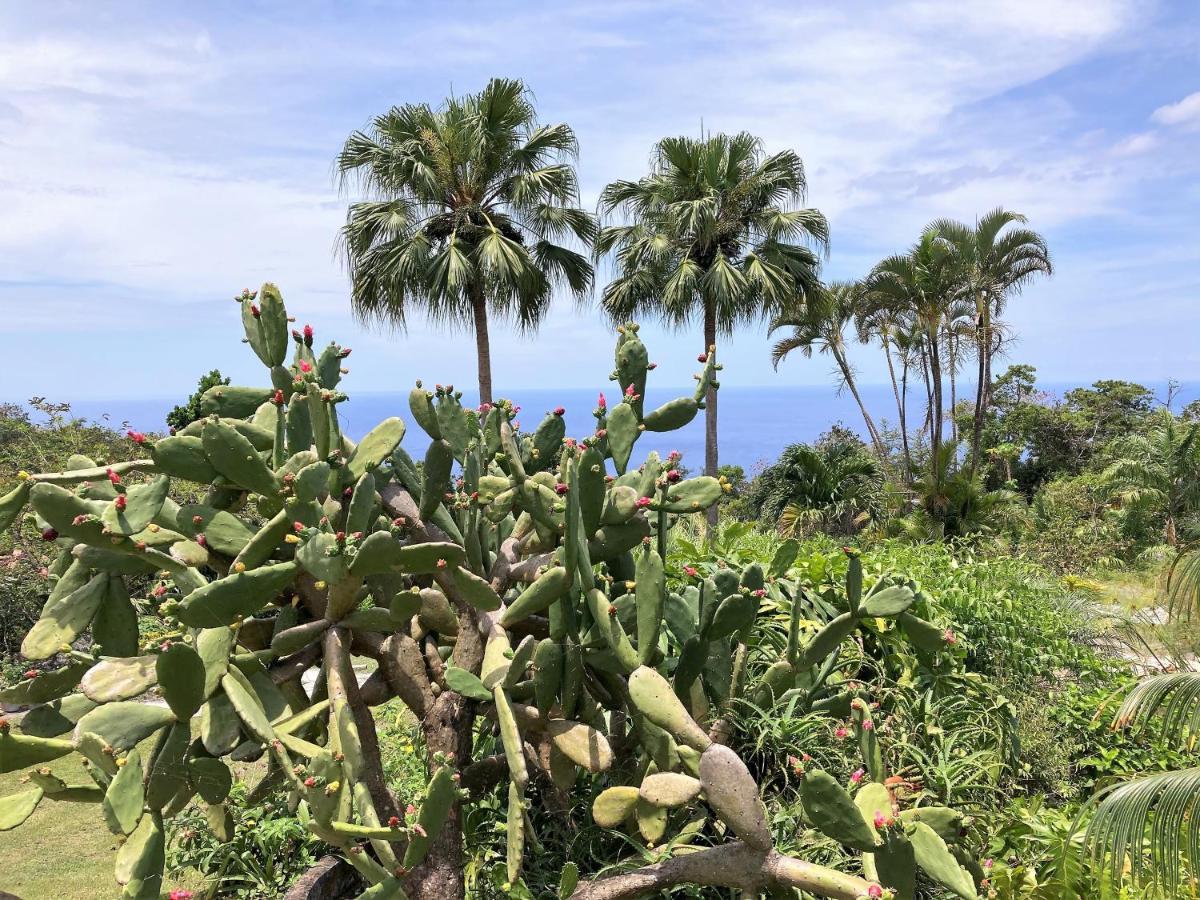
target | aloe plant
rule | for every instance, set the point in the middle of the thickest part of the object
(516, 578)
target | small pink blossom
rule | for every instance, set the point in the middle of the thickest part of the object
(136, 436)
(308, 332)
(868, 725)
(410, 810)
(857, 775)
(180, 894)
(603, 404)
(874, 891)
(880, 820)
(642, 502)
(558, 411)
(305, 366)
(841, 732)
(949, 636)
(690, 570)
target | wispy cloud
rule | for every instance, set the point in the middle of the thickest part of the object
(156, 159)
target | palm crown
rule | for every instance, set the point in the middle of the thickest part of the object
(710, 231)
(473, 205)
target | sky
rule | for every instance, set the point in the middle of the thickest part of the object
(156, 158)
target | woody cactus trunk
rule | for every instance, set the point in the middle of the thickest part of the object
(512, 582)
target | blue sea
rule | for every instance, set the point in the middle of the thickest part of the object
(756, 423)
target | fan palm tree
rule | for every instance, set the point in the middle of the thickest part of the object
(921, 286)
(996, 258)
(820, 324)
(711, 234)
(471, 207)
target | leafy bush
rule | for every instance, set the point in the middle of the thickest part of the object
(182, 416)
(253, 855)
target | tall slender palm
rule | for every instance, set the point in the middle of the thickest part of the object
(711, 233)
(886, 325)
(921, 284)
(996, 258)
(471, 204)
(820, 324)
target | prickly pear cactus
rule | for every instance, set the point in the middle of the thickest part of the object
(517, 579)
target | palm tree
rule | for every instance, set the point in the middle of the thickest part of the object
(1147, 830)
(920, 286)
(886, 325)
(1159, 469)
(471, 204)
(711, 233)
(995, 259)
(835, 487)
(820, 324)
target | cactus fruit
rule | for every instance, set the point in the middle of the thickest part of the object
(522, 574)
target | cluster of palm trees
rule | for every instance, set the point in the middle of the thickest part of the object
(930, 310)
(472, 215)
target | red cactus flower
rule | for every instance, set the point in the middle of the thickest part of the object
(278, 398)
(305, 366)
(49, 534)
(841, 732)
(297, 526)
(702, 358)
(310, 782)
(874, 891)
(255, 311)
(868, 725)
(113, 476)
(180, 894)
(560, 489)
(642, 502)
(119, 502)
(602, 403)
(558, 411)
(673, 475)
(136, 436)
(612, 610)
(880, 819)
(394, 822)
(308, 332)
(856, 776)
(690, 570)
(32, 673)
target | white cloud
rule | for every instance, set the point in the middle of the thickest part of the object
(1185, 112)
(1136, 144)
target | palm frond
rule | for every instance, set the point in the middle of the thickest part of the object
(1147, 831)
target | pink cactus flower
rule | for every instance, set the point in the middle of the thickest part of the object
(874, 891)
(857, 775)
(310, 782)
(841, 732)
(113, 476)
(308, 332)
(119, 502)
(673, 475)
(559, 411)
(603, 404)
(560, 489)
(950, 637)
(31, 674)
(136, 436)
(880, 819)
(702, 358)
(642, 502)
(278, 398)
(305, 366)
(868, 725)
(393, 822)
(180, 894)
(410, 810)
(690, 570)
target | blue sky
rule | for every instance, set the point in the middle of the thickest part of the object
(155, 158)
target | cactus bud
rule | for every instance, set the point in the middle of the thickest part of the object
(310, 782)
(673, 475)
(31, 674)
(857, 775)
(49, 534)
(119, 501)
(560, 488)
(874, 891)
(841, 732)
(136, 436)
(305, 366)
(558, 411)
(394, 822)
(702, 358)
(201, 540)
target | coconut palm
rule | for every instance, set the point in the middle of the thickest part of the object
(819, 324)
(921, 286)
(711, 234)
(472, 205)
(996, 258)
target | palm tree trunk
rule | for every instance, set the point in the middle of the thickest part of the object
(981, 389)
(710, 406)
(903, 400)
(952, 348)
(935, 382)
(862, 407)
(483, 348)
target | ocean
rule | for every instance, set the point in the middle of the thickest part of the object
(755, 423)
